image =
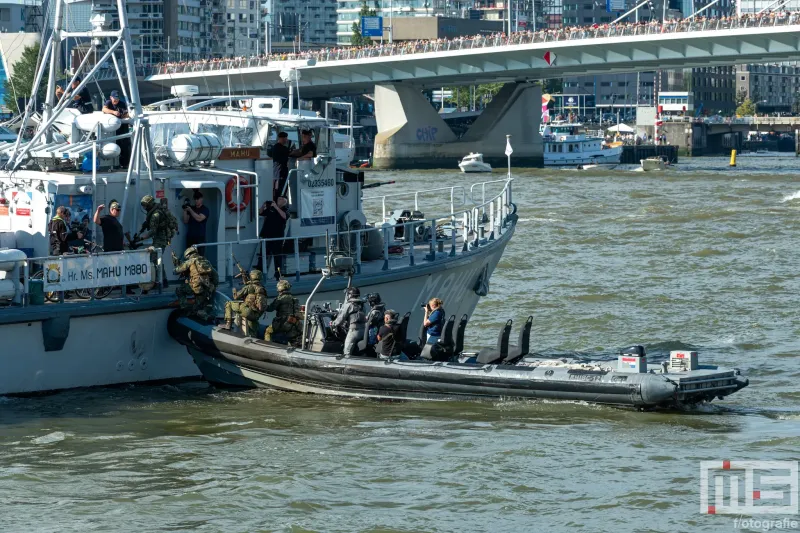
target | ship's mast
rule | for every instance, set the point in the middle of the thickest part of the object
(141, 149)
(54, 53)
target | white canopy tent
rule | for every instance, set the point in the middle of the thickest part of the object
(621, 128)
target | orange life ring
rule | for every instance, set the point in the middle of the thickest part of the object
(229, 194)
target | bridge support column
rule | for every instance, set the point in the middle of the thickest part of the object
(797, 143)
(411, 134)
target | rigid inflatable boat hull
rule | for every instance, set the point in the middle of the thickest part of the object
(229, 359)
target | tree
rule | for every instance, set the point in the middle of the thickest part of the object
(553, 86)
(741, 96)
(796, 103)
(357, 39)
(462, 96)
(20, 84)
(746, 109)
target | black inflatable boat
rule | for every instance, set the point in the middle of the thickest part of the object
(505, 371)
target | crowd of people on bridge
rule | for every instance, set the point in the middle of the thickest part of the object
(379, 49)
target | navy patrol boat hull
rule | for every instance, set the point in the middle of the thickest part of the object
(229, 359)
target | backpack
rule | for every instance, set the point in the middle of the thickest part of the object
(170, 223)
(257, 301)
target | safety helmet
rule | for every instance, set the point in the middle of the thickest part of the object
(284, 286)
(148, 201)
(374, 298)
(353, 292)
(255, 275)
(190, 251)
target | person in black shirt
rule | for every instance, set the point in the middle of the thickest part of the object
(60, 232)
(112, 229)
(117, 107)
(280, 164)
(274, 227)
(308, 150)
(196, 219)
(389, 340)
(81, 101)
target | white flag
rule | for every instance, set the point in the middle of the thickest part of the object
(509, 150)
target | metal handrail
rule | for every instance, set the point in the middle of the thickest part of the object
(417, 194)
(699, 24)
(471, 225)
(28, 261)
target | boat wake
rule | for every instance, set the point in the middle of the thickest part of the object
(790, 197)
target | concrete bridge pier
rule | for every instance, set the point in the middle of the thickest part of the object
(412, 134)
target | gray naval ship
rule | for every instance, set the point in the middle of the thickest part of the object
(92, 318)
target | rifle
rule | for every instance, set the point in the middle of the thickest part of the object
(133, 242)
(175, 260)
(378, 184)
(242, 272)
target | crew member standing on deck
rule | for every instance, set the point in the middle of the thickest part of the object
(195, 220)
(81, 101)
(280, 165)
(117, 107)
(274, 227)
(307, 150)
(112, 229)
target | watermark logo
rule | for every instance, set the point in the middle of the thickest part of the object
(749, 487)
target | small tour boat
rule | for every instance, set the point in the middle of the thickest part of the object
(657, 162)
(474, 163)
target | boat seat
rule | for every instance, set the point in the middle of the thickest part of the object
(443, 350)
(523, 347)
(447, 334)
(404, 326)
(462, 327)
(489, 356)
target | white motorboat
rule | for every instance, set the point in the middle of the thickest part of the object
(474, 163)
(222, 150)
(657, 162)
(568, 144)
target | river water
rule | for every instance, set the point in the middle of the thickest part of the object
(703, 257)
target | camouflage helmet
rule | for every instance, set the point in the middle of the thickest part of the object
(190, 251)
(255, 275)
(148, 201)
(284, 286)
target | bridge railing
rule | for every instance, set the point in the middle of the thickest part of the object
(596, 31)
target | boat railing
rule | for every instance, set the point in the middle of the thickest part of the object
(447, 235)
(82, 273)
(458, 198)
(463, 230)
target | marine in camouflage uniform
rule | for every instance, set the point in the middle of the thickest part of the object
(201, 281)
(155, 226)
(249, 303)
(287, 326)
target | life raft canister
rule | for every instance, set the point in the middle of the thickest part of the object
(230, 189)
